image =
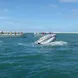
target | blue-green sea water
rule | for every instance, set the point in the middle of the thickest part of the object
(21, 58)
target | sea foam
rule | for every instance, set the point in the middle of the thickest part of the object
(56, 43)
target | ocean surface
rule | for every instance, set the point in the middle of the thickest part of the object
(20, 57)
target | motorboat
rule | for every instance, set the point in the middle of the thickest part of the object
(11, 34)
(50, 40)
(46, 39)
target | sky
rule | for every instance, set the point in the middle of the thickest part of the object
(39, 15)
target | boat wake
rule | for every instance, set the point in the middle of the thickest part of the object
(56, 43)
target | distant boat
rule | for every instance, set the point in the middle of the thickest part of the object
(43, 33)
(13, 34)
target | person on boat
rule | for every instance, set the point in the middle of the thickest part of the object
(15, 33)
(21, 33)
(10, 33)
(2, 32)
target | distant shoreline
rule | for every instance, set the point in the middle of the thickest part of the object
(59, 32)
(45, 32)
(66, 32)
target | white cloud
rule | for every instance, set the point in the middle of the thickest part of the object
(13, 23)
(75, 10)
(68, 0)
(3, 10)
(53, 5)
(3, 17)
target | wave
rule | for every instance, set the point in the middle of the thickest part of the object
(26, 44)
(20, 44)
(55, 43)
(1, 41)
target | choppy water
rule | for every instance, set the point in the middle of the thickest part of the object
(21, 58)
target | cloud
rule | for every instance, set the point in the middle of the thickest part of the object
(4, 10)
(3, 17)
(13, 23)
(75, 10)
(53, 5)
(68, 1)
(10, 21)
